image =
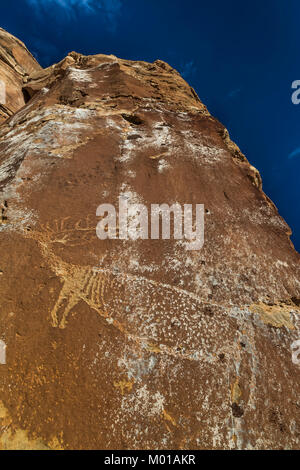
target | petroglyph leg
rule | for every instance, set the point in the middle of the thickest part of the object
(72, 301)
(67, 299)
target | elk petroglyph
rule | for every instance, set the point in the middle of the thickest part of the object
(132, 302)
(119, 298)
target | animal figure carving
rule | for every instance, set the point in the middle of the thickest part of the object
(123, 299)
(169, 320)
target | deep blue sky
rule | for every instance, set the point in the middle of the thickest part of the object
(240, 56)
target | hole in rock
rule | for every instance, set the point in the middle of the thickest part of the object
(26, 95)
(132, 118)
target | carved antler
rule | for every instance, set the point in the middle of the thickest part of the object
(69, 232)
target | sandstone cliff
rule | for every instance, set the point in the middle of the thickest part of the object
(122, 344)
(16, 64)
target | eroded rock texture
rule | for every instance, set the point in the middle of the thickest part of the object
(140, 344)
(16, 64)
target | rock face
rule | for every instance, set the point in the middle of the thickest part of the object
(138, 344)
(16, 64)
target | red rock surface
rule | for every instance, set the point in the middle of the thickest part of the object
(123, 344)
(16, 63)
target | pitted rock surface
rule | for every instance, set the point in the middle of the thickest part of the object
(123, 344)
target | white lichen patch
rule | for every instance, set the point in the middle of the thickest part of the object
(200, 150)
(26, 148)
(163, 165)
(143, 402)
(131, 173)
(55, 129)
(264, 215)
(158, 140)
(137, 367)
(79, 75)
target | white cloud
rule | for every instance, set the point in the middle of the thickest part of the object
(294, 153)
(234, 93)
(188, 69)
(109, 8)
(67, 5)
